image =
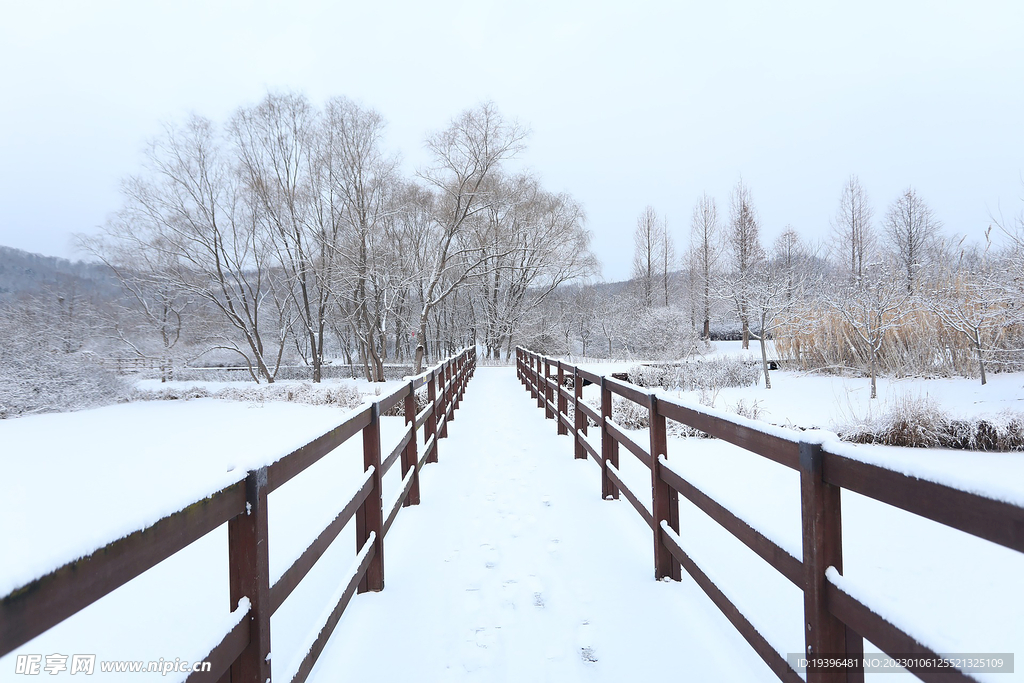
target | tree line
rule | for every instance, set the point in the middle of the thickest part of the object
(290, 231)
(895, 295)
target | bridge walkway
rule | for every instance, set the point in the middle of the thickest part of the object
(513, 569)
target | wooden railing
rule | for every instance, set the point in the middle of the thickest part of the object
(243, 653)
(835, 622)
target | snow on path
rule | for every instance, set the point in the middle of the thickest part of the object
(514, 569)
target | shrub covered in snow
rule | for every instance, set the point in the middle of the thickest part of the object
(342, 395)
(706, 373)
(919, 422)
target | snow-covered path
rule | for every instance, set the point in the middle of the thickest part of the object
(514, 569)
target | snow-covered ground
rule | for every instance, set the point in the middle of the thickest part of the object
(511, 569)
(811, 400)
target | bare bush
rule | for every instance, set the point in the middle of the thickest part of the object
(919, 422)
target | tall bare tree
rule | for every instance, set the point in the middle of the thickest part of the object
(745, 255)
(912, 231)
(466, 156)
(200, 220)
(853, 238)
(705, 253)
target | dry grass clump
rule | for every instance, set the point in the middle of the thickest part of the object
(919, 422)
(342, 395)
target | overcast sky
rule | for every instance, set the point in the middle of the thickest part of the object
(629, 104)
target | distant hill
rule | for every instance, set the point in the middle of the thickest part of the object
(24, 272)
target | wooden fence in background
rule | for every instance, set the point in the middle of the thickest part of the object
(243, 653)
(836, 624)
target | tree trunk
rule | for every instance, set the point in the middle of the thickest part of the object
(981, 360)
(764, 362)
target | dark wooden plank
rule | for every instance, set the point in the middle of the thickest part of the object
(590, 449)
(664, 499)
(986, 518)
(297, 461)
(284, 586)
(589, 376)
(396, 451)
(613, 474)
(369, 515)
(609, 446)
(399, 502)
(565, 424)
(423, 415)
(579, 419)
(630, 391)
(224, 654)
(782, 561)
(632, 446)
(783, 451)
(429, 451)
(49, 600)
(590, 412)
(890, 638)
(249, 577)
(393, 399)
(775, 661)
(409, 458)
(822, 529)
(332, 621)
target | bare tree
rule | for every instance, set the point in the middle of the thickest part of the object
(746, 255)
(200, 221)
(968, 300)
(872, 312)
(776, 283)
(652, 253)
(912, 230)
(705, 253)
(853, 239)
(466, 155)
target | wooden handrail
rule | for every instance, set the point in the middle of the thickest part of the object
(41, 604)
(835, 622)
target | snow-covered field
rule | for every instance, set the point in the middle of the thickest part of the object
(507, 516)
(828, 401)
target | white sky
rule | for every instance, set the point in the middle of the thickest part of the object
(629, 103)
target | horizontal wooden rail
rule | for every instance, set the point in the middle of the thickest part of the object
(768, 550)
(775, 661)
(244, 650)
(885, 635)
(835, 622)
(961, 510)
(297, 461)
(50, 599)
(631, 446)
(629, 391)
(223, 654)
(590, 412)
(408, 436)
(365, 556)
(613, 473)
(284, 586)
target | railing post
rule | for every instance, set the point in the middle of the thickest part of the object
(821, 514)
(409, 456)
(249, 576)
(431, 425)
(580, 420)
(370, 515)
(456, 381)
(609, 446)
(561, 400)
(665, 500)
(443, 417)
(539, 393)
(547, 390)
